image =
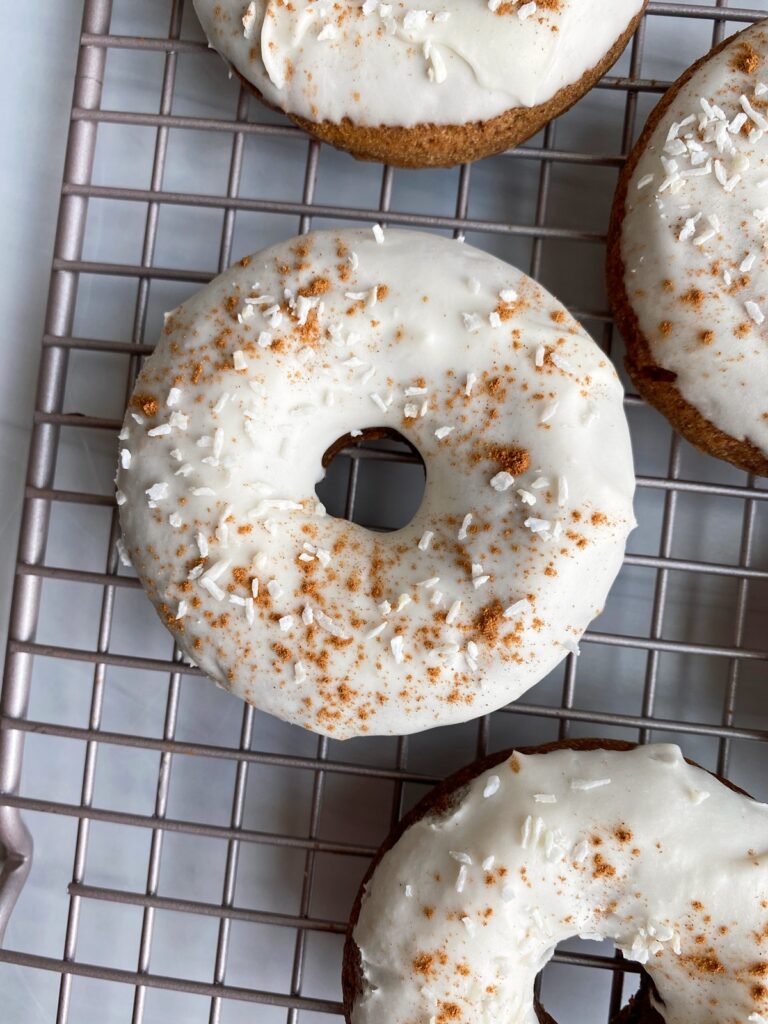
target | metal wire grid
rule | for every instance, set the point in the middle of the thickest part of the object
(42, 494)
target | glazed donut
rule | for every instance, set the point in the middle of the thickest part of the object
(394, 82)
(466, 902)
(517, 415)
(687, 271)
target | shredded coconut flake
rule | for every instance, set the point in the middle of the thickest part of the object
(583, 785)
(178, 420)
(461, 879)
(517, 608)
(502, 481)
(299, 672)
(465, 525)
(249, 22)
(453, 612)
(754, 312)
(379, 402)
(562, 491)
(460, 857)
(472, 322)
(429, 584)
(581, 851)
(698, 796)
(157, 492)
(549, 413)
(537, 525)
(426, 540)
(753, 114)
(213, 588)
(437, 72)
(330, 626)
(492, 785)
(396, 645)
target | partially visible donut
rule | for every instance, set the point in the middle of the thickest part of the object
(395, 82)
(516, 412)
(466, 901)
(687, 268)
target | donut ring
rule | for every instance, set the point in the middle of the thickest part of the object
(635, 859)
(417, 88)
(516, 412)
(687, 276)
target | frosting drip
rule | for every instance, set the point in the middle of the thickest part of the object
(400, 64)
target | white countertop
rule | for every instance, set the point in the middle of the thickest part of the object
(36, 91)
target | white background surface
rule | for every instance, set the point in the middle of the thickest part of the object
(36, 93)
(35, 97)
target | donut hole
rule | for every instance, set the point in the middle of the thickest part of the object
(376, 480)
(575, 981)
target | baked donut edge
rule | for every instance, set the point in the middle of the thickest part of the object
(435, 145)
(655, 384)
(441, 799)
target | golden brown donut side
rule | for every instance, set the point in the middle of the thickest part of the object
(655, 384)
(438, 801)
(435, 145)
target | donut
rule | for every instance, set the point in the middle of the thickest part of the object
(341, 336)
(687, 271)
(413, 87)
(466, 901)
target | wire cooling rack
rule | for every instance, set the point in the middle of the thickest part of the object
(195, 859)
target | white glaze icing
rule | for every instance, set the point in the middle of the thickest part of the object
(706, 236)
(635, 846)
(355, 631)
(406, 66)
